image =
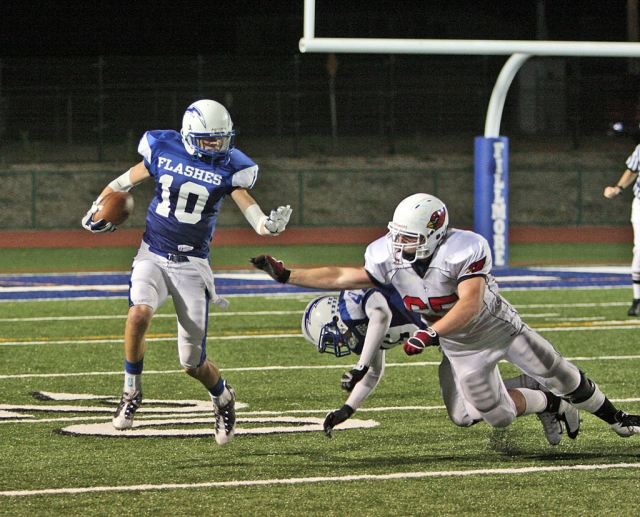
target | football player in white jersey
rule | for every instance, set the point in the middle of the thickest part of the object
(445, 275)
(194, 170)
(368, 322)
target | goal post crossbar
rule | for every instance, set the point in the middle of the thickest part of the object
(470, 47)
(491, 150)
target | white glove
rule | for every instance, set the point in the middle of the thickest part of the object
(277, 221)
(220, 302)
(100, 226)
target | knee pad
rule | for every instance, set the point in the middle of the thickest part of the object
(492, 403)
(480, 391)
(501, 416)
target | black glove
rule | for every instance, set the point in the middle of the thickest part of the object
(336, 417)
(353, 377)
(274, 268)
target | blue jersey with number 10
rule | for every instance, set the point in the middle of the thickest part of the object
(182, 216)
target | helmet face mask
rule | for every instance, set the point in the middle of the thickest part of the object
(323, 327)
(419, 225)
(408, 245)
(207, 131)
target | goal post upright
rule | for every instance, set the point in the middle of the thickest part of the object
(491, 170)
(491, 160)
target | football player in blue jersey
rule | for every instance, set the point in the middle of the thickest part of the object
(194, 170)
(368, 322)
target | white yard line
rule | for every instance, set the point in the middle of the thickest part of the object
(296, 367)
(123, 316)
(169, 338)
(321, 479)
(610, 325)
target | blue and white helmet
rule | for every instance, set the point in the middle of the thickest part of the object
(207, 119)
(323, 327)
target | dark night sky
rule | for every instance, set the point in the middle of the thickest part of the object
(39, 28)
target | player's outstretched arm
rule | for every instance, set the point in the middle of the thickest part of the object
(329, 278)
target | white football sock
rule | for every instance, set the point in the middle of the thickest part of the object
(536, 401)
(132, 382)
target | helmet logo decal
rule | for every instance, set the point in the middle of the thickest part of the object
(437, 219)
(197, 113)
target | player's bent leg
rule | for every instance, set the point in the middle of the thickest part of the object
(223, 398)
(192, 307)
(460, 413)
(486, 392)
(537, 358)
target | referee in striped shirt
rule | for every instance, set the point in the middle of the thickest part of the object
(629, 177)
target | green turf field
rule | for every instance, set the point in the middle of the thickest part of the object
(411, 461)
(102, 259)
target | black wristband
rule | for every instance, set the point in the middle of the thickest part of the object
(348, 410)
(620, 186)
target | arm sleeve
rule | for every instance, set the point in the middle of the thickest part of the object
(366, 386)
(379, 315)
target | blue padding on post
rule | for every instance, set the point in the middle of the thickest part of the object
(491, 196)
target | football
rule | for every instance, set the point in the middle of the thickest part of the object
(116, 208)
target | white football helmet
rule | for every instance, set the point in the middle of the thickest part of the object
(419, 225)
(207, 120)
(323, 327)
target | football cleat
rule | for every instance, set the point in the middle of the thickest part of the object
(626, 425)
(225, 419)
(559, 412)
(634, 310)
(552, 426)
(129, 403)
(571, 418)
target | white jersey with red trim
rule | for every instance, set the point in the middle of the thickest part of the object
(433, 292)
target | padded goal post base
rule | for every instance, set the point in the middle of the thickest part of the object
(491, 195)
